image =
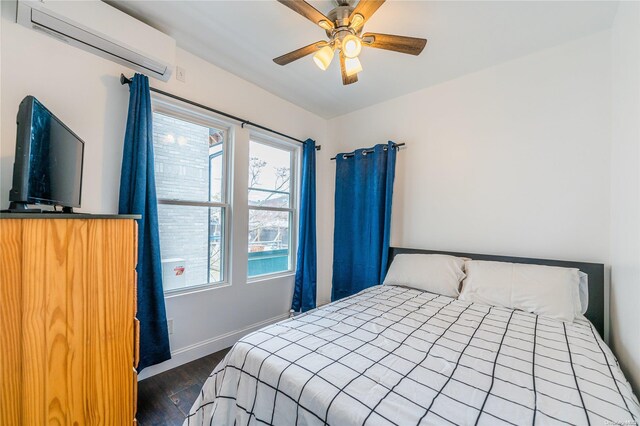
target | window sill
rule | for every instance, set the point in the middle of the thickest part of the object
(194, 289)
(270, 277)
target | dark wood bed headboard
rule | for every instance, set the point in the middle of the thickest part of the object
(595, 271)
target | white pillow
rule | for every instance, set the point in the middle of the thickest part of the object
(543, 290)
(435, 273)
(584, 292)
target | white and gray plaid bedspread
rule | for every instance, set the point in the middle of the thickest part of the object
(394, 355)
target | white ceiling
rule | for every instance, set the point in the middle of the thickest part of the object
(244, 36)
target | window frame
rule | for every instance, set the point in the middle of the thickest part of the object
(296, 153)
(183, 111)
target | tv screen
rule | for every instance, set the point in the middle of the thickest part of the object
(49, 157)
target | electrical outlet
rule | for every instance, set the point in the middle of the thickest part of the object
(170, 325)
(181, 74)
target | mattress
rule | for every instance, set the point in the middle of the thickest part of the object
(398, 356)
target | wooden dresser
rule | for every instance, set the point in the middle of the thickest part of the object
(69, 337)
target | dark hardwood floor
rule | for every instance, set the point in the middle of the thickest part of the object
(166, 398)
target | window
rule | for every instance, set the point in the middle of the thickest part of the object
(271, 207)
(191, 185)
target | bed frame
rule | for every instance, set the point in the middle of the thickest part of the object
(595, 271)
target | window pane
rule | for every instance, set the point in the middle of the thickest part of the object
(215, 170)
(188, 160)
(269, 175)
(216, 138)
(191, 245)
(216, 244)
(268, 242)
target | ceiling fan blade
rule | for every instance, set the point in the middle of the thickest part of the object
(346, 79)
(396, 43)
(365, 8)
(309, 12)
(299, 53)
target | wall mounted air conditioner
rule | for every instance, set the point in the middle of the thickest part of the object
(104, 30)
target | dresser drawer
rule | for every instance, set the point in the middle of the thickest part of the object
(68, 304)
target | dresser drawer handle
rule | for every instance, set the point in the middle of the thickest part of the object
(136, 342)
(134, 400)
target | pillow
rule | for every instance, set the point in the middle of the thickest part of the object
(435, 273)
(544, 290)
(584, 292)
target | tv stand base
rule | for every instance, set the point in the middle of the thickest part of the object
(21, 208)
(24, 208)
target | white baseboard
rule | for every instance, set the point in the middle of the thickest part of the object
(198, 350)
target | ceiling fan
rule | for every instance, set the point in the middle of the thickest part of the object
(344, 30)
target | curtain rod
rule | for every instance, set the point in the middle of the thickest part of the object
(124, 80)
(369, 151)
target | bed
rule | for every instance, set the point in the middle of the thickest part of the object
(392, 355)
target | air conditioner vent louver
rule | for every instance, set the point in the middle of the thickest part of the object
(50, 33)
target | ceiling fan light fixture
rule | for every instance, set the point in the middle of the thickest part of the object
(343, 27)
(323, 57)
(352, 66)
(351, 46)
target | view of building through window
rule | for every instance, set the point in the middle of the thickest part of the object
(190, 185)
(270, 208)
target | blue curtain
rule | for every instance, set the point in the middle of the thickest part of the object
(138, 196)
(364, 189)
(304, 292)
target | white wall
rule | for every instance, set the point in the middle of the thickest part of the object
(513, 159)
(83, 90)
(625, 191)
(515, 153)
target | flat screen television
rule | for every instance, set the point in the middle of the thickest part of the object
(48, 165)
